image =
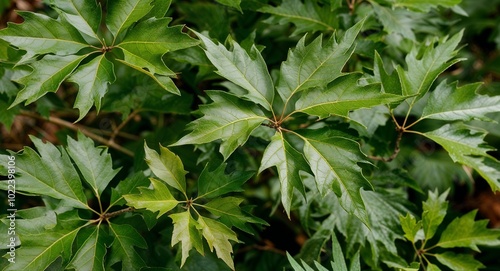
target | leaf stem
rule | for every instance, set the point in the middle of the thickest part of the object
(117, 213)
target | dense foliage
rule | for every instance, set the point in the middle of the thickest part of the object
(249, 135)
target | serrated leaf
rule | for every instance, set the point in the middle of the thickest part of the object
(40, 34)
(122, 248)
(333, 157)
(167, 166)
(465, 232)
(426, 5)
(434, 211)
(214, 182)
(91, 254)
(94, 164)
(390, 82)
(289, 162)
(246, 69)
(159, 199)
(218, 237)
(231, 3)
(85, 16)
(48, 74)
(307, 17)
(93, 79)
(449, 102)
(395, 20)
(411, 227)
(123, 13)
(341, 96)
(459, 261)
(228, 118)
(128, 186)
(186, 231)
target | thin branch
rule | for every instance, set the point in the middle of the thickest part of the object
(118, 129)
(394, 153)
(117, 213)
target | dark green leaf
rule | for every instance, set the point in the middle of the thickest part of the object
(125, 238)
(123, 13)
(214, 182)
(85, 15)
(91, 254)
(425, 5)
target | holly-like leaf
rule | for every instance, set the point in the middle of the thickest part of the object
(425, 5)
(289, 162)
(85, 16)
(159, 199)
(167, 166)
(122, 248)
(307, 17)
(186, 231)
(228, 118)
(449, 102)
(246, 69)
(93, 79)
(91, 254)
(341, 96)
(434, 211)
(218, 237)
(94, 164)
(459, 261)
(214, 182)
(465, 232)
(123, 13)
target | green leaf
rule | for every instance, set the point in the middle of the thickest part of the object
(307, 17)
(48, 74)
(7, 116)
(214, 182)
(122, 248)
(123, 13)
(246, 69)
(218, 237)
(91, 254)
(434, 211)
(390, 82)
(465, 232)
(186, 231)
(289, 162)
(425, 5)
(449, 102)
(459, 261)
(85, 16)
(333, 157)
(95, 164)
(40, 34)
(167, 166)
(49, 173)
(128, 186)
(159, 199)
(228, 118)
(231, 3)
(396, 20)
(411, 227)
(93, 79)
(341, 96)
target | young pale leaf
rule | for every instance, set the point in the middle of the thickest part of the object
(48, 74)
(434, 211)
(307, 17)
(85, 16)
(341, 96)
(465, 232)
(228, 118)
(91, 253)
(122, 248)
(459, 261)
(218, 237)
(246, 69)
(123, 13)
(94, 163)
(159, 199)
(425, 5)
(411, 227)
(214, 182)
(186, 231)
(167, 166)
(93, 79)
(449, 102)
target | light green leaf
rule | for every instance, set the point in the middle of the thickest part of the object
(159, 199)
(218, 237)
(93, 79)
(341, 96)
(85, 15)
(48, 74)
(128, 186)
(434, 211)
(289, 162)
(214, 182)
(94, 164)
(246, 69)
(449, 102)
(186, 230)
(432, 267)
(122, 248)
(91, 254)
(459, 261)
(465, 232)
(228, 118)
(40, 34)
(425, 5)
(167, 166)
(411, 227)
(123, 13)
(231, 3)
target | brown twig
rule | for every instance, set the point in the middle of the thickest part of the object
(117, 213)
(394, 153)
